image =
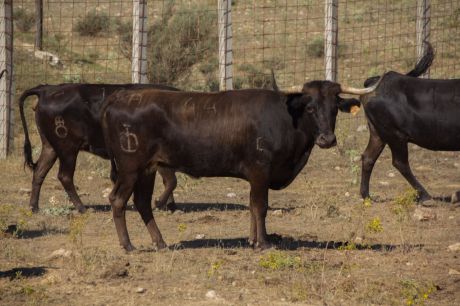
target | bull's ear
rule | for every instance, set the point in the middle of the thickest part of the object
(347, 105)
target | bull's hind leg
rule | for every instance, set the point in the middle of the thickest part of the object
(118, 199)
(65, 176)
(166, 199)
(143, 190)
(401, 162)
(44, 163)
(369, 157)
(259, 206)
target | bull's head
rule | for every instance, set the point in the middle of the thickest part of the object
(315, 108)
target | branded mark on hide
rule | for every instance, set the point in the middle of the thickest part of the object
(60, 129)
(128, 140)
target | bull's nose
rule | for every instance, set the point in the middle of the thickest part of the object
(326, 141)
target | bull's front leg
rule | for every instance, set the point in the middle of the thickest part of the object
(143, 191)
(118, 200)
(369, 157)
(259, 206)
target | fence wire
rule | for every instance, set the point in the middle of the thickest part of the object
(91, 41)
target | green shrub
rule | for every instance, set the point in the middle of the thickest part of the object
(316, 47)
(93, 24)
(277, 260)
(23, 19)
(179, 40)
(255, 77)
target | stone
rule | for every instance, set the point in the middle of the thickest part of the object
(106, 192)
(347, 194)
(231, 195)
(384, 183)
(140, 290)
(453, 272)
(424, 214)
(362, 128)
(358, 240)
(391, 174)
(277, 212)
(211, 294)
(199, 236)
(60, 253)
(454, 247)
(116, 270)
(25, 190)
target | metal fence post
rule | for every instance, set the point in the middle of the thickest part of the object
(330, 39)
(224, 8)
(39, 24)
(6, 82)
(423, 28)
(139, 57)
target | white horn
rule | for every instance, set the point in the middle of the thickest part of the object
(360, 91)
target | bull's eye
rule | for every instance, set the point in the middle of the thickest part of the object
(310, 109)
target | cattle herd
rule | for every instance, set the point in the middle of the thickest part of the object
(262, 136)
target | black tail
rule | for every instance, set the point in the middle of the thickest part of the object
(1, 74)
(27, 146)
(422, 66)
(424, 63)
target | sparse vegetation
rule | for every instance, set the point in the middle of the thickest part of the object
(404, 203)
(76, 227)
(23, 19)
(374, 225)
(180, 39)
(309, 270)
(93, 23)
(277, 260)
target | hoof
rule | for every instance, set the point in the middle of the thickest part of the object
(81, 209)
(171, 206)
(34, 209)
(160, 245)
(129, 248)
(429, 203)
(161, 205)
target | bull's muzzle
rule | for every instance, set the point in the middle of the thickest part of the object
(326, 141)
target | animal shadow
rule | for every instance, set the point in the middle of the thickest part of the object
(23, 272)
(196, 207)
(13, 231)
(285, 243)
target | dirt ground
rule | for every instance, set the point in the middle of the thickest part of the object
(333, 248)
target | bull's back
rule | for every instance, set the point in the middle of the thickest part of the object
(420, 111)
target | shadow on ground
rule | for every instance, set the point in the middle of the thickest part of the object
(195, 207)
(23, 272)
(12, 231)
(288, 243)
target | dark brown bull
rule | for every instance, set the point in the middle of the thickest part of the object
(262, 136)
(405, 110)
(67, 118)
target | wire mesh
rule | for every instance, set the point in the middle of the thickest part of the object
(91, 41)
(83, 41)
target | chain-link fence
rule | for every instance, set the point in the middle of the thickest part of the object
(92, 41)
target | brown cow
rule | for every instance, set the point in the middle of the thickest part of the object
(262, 136)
